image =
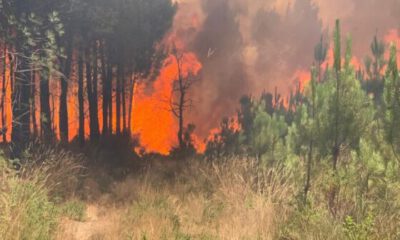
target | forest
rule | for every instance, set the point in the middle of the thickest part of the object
(321, 161)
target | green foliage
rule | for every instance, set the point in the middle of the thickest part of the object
(337, 50)
(341, 147)
(358, 231)
(392, 100)
(37, 26)
(268, 134)
(311, 224)
(344, 110)
(320, 51)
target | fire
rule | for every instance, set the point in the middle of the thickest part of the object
(233, 124)
(152, 118)
(393, 36)
(302, 78)
(199, 144)
(7, 101)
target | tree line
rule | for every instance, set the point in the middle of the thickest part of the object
(101, 47)
(343, 127)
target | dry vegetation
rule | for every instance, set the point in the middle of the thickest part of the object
(163, 201)
(233, 199)
(167, 201)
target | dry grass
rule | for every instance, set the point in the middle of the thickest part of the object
(61, 170)
(28, 208)
(231, 200)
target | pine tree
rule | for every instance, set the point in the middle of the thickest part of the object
(392, 101)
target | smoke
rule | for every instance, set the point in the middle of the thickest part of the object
(248, 46)
(219, 46)
(362, 19)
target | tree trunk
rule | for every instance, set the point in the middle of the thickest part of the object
(33, 105)
(336, 147)
(53, 114)
(95, 108)
(3, 96)
(118, 100)
(11, 81)
(45, 111)
(180, 114)
(308, 173)
(64, 131)
(123, 83)
(20, 103)
(110, 97)
(81, 101)
(104, 79)
(89, 84)
(132, 92)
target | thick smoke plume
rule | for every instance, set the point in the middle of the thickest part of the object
(248, 46)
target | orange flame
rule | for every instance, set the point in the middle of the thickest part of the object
(152, 118)
(393, 36)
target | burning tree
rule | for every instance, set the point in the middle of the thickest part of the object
(180, 101)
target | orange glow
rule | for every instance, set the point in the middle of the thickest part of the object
(7, 101)
(199, 144)
(302, 78)
(152, 118)
(233, 125)
(393, 36)
(73, 112)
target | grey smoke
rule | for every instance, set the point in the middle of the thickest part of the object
(247, 46)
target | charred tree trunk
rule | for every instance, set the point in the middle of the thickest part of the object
(63, 114)
(89, 84)
(181, 89)
(94, 118)
(20, 103)
(132, 92)
(104, 78)
(81, 101)
(3, 96)
(110, 98)
(33, 105)
(180, 112)
(123, 103)
(45, 111)
(89, 87)
(53, 113)
(118, 96)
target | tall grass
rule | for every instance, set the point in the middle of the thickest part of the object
(226, 200)
(28, 197)
(233, 198)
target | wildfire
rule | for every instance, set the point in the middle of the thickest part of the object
(152, 118)
(393, 36)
